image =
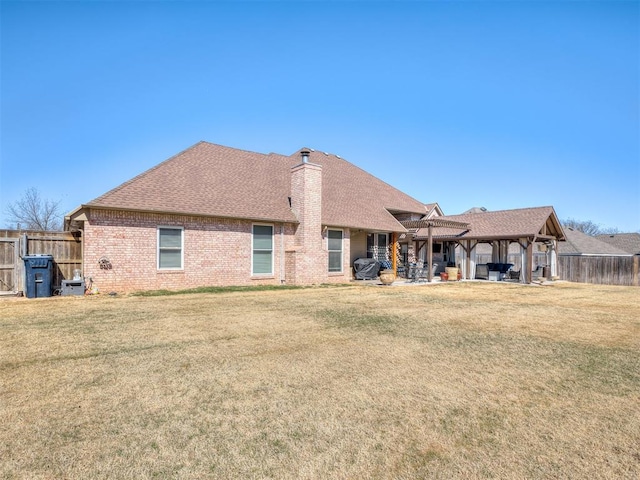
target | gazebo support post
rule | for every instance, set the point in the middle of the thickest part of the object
(529, 269)
(430, 254)
(471, 244)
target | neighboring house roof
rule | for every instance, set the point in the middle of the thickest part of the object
(213, 180)
(629, 242)
(476, 210)
(539, 222)
(579, 243)
(433, 210)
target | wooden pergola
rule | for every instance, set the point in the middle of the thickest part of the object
(430, 224)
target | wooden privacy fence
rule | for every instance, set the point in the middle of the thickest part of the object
(604, 270)
(65, 247)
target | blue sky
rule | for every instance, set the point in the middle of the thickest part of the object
(469, 103)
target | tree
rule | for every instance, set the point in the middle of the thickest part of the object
(587, 226)
(32, 212)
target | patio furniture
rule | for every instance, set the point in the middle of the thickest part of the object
(537, 273)
(419, 272)
(366, 268)
(482, 271)
(499, 267)
(494, 276)
(414, 271)
(402, 271)
(513, 275)
(494, 271)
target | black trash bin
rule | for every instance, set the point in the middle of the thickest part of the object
(39, 273)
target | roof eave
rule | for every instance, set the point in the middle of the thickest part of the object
(188, 214)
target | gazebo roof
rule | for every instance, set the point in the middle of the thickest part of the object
(534, 223)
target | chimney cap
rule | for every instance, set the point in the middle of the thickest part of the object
(304, 153)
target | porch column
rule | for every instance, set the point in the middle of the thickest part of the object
(430, 254)
(529, 262)
(504, 251)
(523, 259)
(468, 265)
(473, 260)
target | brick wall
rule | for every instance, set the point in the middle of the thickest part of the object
(216, 251)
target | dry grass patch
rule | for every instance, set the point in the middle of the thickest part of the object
(465, 380)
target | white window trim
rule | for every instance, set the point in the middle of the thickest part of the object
(273, 249)
(341, 250)
(170, 227)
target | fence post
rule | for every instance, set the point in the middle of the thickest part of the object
(24, 245)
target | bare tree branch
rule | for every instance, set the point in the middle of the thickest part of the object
(31, 212)
(587, 226)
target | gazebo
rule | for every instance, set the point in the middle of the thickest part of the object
(526, 227)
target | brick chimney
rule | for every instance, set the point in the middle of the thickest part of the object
(310, 264)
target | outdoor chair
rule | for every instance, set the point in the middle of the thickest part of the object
(419, 272)
(403, 271)
(513, 274)
(537, 273)
(482, 271)
(425, 271)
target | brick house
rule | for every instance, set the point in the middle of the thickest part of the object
(214, 215)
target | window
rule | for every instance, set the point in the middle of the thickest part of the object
(378, 246)
(382, 245)
(404, 253)
(334, 245)
(170, 248)
(262, 246)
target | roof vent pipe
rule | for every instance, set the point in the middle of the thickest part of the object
(305, 156)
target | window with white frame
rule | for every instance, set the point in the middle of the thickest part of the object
(262, 248)
(170, 251)
(334, 246)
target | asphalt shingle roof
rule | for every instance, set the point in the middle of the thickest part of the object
(629, 242)
(504, 224)
(218, 181)
(579, 243)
